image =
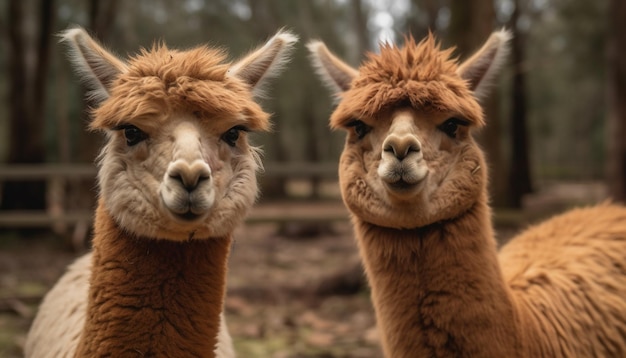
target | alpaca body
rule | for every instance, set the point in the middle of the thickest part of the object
(439, 290)
(65, 306)
(176, 177)
(415, 183)
(568, 276)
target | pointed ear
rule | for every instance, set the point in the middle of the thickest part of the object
(265, 62)
(97, 67)
(336, 74)
(480, 70)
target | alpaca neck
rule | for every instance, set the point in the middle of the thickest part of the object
(438, 290)
(153, 297)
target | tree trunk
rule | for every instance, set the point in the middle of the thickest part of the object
(616, 77)
(419, 29)
(265, 24)
(360, 28)
(82, 192)
(471, 24)
(519, 172)
(27, 88)
(101, 15)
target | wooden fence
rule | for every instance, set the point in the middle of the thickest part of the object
(270, 212)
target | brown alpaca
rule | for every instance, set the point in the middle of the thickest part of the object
(176, 177)
(416, 184)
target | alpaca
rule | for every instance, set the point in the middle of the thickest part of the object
(176, 176)
(415, 183)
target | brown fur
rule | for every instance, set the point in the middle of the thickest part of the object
(146, 298)
(568, 276)
(162, 81)
(439, 286)
(419, 75)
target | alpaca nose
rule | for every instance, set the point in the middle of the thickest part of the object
(401, 146)
(189, 175)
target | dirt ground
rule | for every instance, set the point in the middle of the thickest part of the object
(273, 308)
(279, 304)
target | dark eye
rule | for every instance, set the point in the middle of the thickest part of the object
(451, 126)
(232, 135)
(132, 134)
(360, 128)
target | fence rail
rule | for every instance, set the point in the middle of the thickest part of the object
(47, 171)
(283, 212)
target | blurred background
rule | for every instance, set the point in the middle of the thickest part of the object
(555, 138)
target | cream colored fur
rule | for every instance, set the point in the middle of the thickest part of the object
(190, 176)
(416, 184)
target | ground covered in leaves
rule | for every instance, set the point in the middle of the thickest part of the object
(294, 289)
(278, 302)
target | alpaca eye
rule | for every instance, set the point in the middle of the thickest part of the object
(360, 128)
(132, 134)
(232, 135)
(451, 126)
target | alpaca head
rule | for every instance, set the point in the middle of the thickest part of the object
(409, 158)
(177, 163)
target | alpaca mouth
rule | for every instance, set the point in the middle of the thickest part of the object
(185, 208)
(404, 186)
(402, 178)
(401, 185)
(188, 216)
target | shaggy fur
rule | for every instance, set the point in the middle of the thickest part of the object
(148, 298)
(176, 176)
(65, 308)
(416, 184)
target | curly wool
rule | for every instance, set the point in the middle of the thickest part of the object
(161, 81)
(418, 74)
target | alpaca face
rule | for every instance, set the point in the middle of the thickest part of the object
(409, 168)
(184, 179)
(409, 158)
(177, 164)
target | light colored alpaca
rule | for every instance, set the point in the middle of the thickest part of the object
(176, 176)
(416, 184)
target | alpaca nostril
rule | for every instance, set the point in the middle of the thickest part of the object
(401, 146)
(414, 149)
(190, 183)
(179, 178)
(402, 149)
(401, 153)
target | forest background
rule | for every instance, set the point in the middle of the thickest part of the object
(556, 115)
(555, 137)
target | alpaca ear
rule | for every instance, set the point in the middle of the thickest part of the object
(97, 67)
(265, 62)
(481, 69)
(336, 74)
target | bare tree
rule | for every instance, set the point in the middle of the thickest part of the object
(519, 169)
(81, 192)
(101, 16)
(422, 17)
(616, 67)
(27, 88)
(360, 26)
(471, 23)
